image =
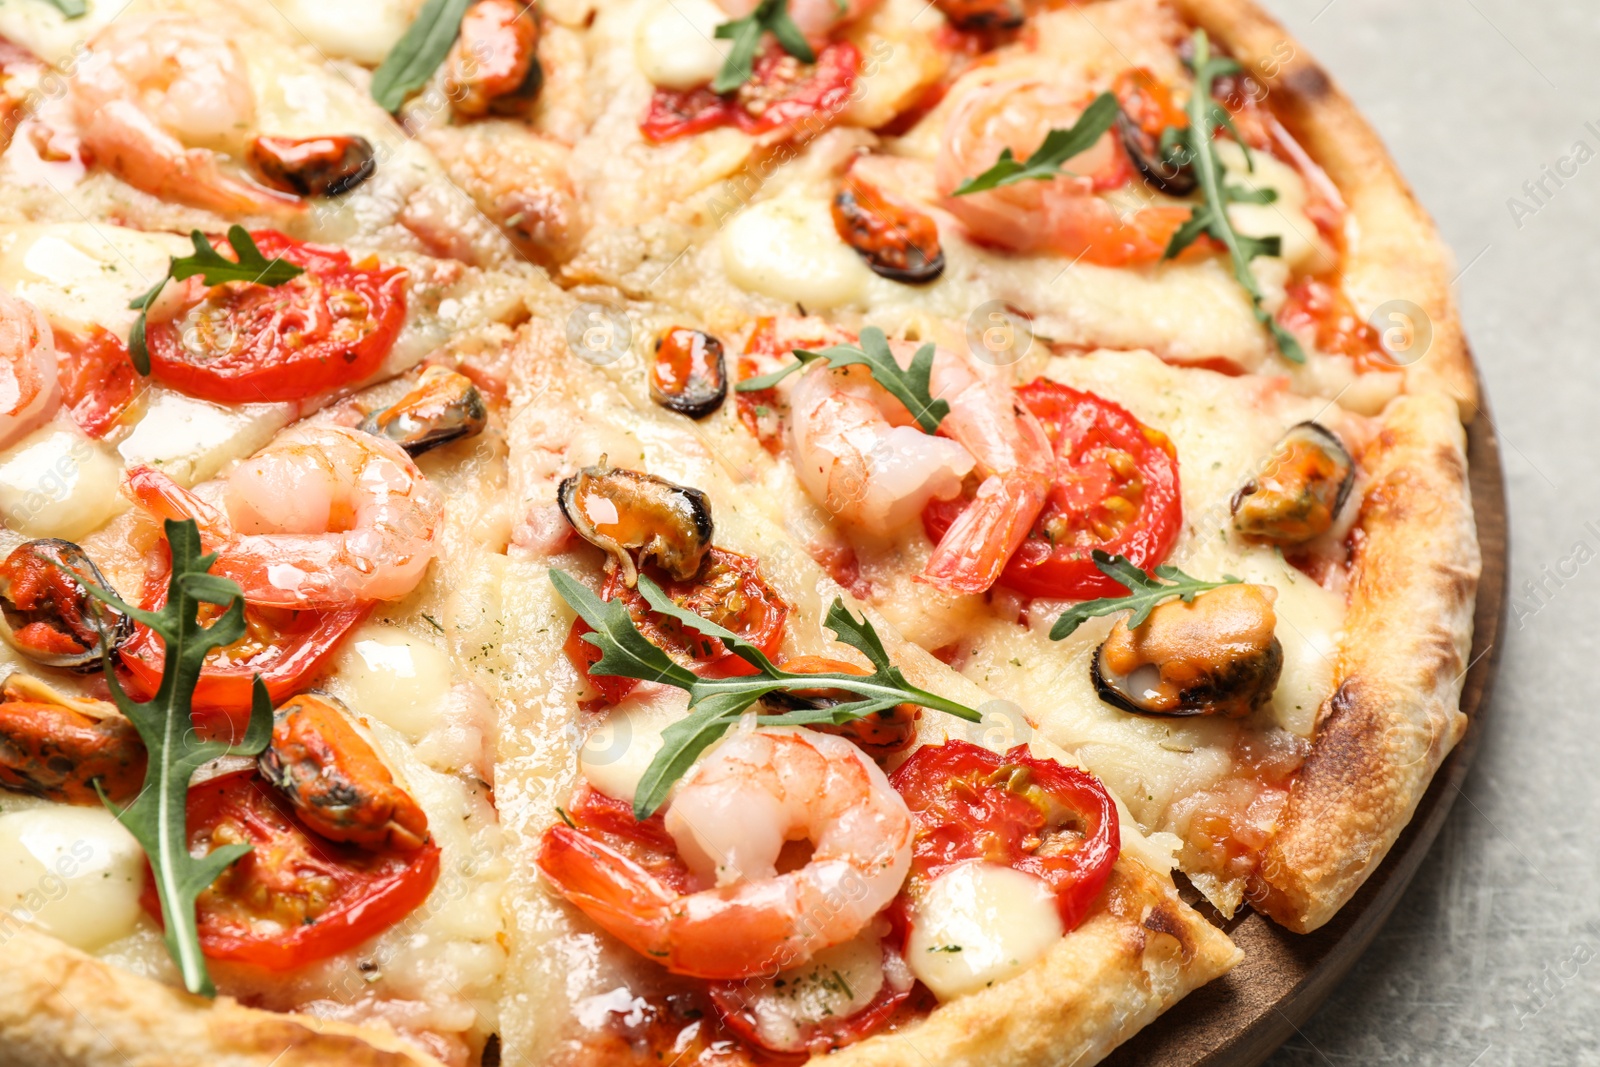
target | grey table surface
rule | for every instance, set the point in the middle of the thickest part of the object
(1493, 955)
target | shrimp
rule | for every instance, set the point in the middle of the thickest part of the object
(322, 516)
(817, 19)
(1064, 215)
(158, 99)
(730, 818)
(29, 393)
(859, 453)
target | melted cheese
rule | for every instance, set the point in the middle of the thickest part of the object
(391, 676)
(57, 483)
(835, 984)
(674, 45)
(192, 440)
(786, 248)
(83, 275)
(980, 924)
(75, 872)
(362, 30)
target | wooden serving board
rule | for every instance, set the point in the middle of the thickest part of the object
(1238, 1020)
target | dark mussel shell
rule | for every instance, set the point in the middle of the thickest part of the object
(1233, 675)
(47, 615)
(898, 242)
(621, 511)
(983, 15)
(313, 166)
(1164, 175)
(689, 374)
(443, 406)
(1299, 490)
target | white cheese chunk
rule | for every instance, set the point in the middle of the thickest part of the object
(980, 924)
(74, 872)
(191, 440)
(786, 248)
(614, 757)
(674, 44)
(362, 30)
(835, 984)
(57, 483)
(83, 275)
(387, 674)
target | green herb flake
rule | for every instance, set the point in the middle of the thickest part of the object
(1144, 593)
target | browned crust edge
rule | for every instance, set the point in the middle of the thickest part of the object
(1134, 958)
(1396, 712)
(67, 1009)
(1394, 252)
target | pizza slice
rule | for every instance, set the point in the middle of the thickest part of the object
(721, 883)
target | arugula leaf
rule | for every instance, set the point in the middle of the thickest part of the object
(1058, 147)
(715, 704)
(909, 386)
(157, 818)
(1210, 217)
(1144, 593)
(214, 268)
(72, 9)
(769, 16)
(414, 58)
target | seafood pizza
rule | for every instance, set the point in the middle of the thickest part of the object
(711, 531)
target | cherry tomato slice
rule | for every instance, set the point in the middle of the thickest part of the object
(325, 328)
(295, 897)
(728, 590)
(285, 647)
(97, 377)
(1116, 489)
(1320, 309)
(782, 93)
(1054, 822)
(735, 1003)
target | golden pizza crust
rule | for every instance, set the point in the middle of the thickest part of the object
(67, 1009)
(1396, 712)
(1130, 961)
(1394, 253)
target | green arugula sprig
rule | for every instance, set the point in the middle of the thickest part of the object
(1058, 147)
(1144, 593)
(72, 9)
(715, 704)
(158, 816)
(414, 58)
(770, 16)
(214, 269)
(909, 385)
(1210, 217)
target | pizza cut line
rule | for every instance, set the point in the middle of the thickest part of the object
(719, 533)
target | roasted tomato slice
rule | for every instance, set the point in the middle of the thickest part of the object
(326, 328)
(295, 897)
(287, 648)
(1116, 489)
(728, 590)
(98, 379)
(1319, 310)
(1054, 822)
(782, 93)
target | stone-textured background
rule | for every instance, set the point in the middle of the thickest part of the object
(1493, 956)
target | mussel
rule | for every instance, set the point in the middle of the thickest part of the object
(983, 14)
(897, 241)
(1147, 120)
(880, 735)
(57, 747)
(1299, 490)
(1217, 655)
(443, 406)
(494, 64)
(45, 612)
(313, 166)
(336, 782)
(688, 374)
(619, 510)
